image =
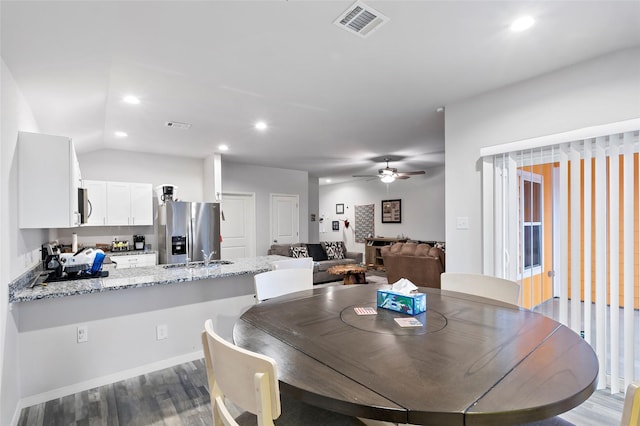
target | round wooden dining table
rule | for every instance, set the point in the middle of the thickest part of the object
(472, 361)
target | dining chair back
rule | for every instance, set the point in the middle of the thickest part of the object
(247, 379)
(276, 283)
(250, 381)
(631, 407)
(481, 285)
(298, 263)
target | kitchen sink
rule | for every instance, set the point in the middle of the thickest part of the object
(198, 264)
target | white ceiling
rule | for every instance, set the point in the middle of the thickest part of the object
(334, 101)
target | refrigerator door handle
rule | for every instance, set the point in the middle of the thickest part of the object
(190, 236)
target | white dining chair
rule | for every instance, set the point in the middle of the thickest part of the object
(298, 263)
(250, 381)
(481, 285)
(278, 282)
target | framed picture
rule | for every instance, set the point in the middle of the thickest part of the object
(391, 211)
(335, 225)
(339, 208)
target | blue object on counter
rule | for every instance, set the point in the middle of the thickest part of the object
(97, 263)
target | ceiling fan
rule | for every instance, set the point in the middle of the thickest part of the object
(389, 174)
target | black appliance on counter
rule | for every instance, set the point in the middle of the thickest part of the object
(138, 242)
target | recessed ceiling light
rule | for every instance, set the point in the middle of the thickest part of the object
(120, 134)
(261, 125)
(328, 180)
(131, 100)
(522, 23)
(223, 147)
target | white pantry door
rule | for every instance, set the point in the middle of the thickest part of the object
(238, 228)
(284, 219)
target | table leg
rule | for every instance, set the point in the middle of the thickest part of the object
(354, 278)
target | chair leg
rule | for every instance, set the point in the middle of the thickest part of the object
(263, 397)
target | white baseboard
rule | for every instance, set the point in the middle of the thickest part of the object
(101, 381)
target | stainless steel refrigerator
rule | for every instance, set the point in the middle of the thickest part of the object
(186, 229)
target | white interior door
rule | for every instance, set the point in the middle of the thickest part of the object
(284, 219)
(238, 229)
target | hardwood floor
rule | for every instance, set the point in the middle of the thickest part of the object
(178, 396)
(173, 396)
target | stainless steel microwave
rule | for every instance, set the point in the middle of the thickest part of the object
(83, 205)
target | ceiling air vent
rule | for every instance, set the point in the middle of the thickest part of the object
(360, 19)
(178, 125)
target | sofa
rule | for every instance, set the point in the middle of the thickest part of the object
(421, 264)
(325, 255)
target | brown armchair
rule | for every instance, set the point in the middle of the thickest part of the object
(419, 263)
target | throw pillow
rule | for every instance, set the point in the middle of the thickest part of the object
(334, 249)
(317, 252)
(298, 252)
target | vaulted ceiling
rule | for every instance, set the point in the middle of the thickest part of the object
(334, 101)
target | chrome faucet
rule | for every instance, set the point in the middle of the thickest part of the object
(207, 257)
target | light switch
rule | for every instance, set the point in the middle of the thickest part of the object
(462, 223)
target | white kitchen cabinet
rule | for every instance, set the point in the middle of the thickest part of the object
(119, 203)
(134, 260)
(141, 204)
(97, 195)
(48, 181)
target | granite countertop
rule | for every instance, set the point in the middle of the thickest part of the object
(20, 290)
(129, 252)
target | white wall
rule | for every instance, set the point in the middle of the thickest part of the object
(16, 246)
(422, 207)
(314, 208)
(264, 181)
(121, 330)
(125, 166)
(603, 90)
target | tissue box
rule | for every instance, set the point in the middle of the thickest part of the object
(411, 304)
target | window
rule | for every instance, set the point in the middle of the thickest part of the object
(531, 200)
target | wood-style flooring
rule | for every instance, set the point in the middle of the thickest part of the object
(178, 396)
(173, 396)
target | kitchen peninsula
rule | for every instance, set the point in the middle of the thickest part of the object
(134, 321)
(30, 286)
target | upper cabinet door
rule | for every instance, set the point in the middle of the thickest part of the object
(97, 193)
(118, 203)
(48, 181)
(141, 204)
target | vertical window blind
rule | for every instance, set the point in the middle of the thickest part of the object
(561, 217)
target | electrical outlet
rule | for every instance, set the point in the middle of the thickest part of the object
(83, 333)
(162, 332)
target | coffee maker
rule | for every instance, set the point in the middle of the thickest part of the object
(166, 192)
(51, 258)
(138, 242)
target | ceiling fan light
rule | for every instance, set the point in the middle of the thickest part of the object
(386, 178)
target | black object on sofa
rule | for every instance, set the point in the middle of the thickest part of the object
(323, 255)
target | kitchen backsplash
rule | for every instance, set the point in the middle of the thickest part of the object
(91, 235)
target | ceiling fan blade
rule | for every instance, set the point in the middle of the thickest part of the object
(417, 172)
(402, 177)
(364, 175)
